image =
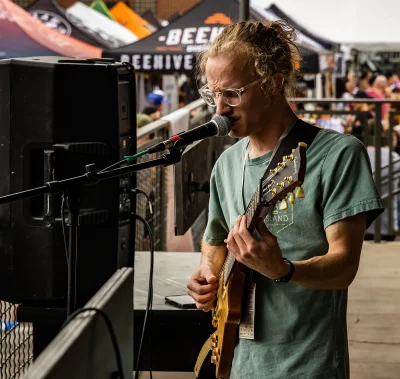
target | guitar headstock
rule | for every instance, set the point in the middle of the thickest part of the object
(284, 178)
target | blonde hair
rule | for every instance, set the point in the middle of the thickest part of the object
(272, 53)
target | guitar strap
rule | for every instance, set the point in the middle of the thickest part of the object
(299, 131)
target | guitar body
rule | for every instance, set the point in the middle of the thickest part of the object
(226, 319)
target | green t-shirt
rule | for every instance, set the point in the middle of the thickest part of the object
(143, 119)
(300, 333)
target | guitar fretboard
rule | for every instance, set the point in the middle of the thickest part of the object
(230, 259)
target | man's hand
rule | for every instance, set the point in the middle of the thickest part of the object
(203, 286)
(262, 256)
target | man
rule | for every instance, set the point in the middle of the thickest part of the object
(147, 116)
(380, 90)
(157, 99)
(300, 326)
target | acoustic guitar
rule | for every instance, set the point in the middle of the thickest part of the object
(280, 182)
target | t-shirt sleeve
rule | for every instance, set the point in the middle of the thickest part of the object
(217, 229)
(347, 184)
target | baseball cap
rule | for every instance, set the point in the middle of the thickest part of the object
(157, 97)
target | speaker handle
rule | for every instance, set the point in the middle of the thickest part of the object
(49, 176)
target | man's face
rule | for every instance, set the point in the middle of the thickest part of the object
(251, 115)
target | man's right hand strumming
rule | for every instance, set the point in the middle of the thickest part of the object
(202, 286)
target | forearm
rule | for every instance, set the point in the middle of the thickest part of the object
(326, 272)
(213, 255)
(338, 268)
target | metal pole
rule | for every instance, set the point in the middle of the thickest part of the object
(378, 131)
(244, 10)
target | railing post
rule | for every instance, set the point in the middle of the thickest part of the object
(378, 131)
(244, 10)
(390, 176)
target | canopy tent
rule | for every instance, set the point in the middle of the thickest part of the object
(151, 18)
(353, 24)
(131, 20)
(173, 48)
(53, 15)
(22, 35)
(108, 32)
(304, 37)
(99, 6)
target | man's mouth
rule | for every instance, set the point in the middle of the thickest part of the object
(233, 120)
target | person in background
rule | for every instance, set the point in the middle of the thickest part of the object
(157, 99)
(386, 234)
(393, 80)
(355, 124)
(148, 115)
(363, 83)
(380, 90)
(327, 121)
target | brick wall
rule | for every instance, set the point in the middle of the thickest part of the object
(167, 8)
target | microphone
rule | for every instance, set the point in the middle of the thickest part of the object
(219, 126)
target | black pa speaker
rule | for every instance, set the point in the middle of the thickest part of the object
(58, 115)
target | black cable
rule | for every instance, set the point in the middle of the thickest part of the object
(113, 165)
(141, 192)
(149, 305)
(110, 329)
(64, 227)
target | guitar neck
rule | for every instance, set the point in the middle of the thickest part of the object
(255, 212)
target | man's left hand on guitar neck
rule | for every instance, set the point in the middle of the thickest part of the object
(262, 256)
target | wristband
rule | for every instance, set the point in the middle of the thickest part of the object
(288, 276)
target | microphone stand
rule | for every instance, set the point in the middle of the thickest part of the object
(73, 186)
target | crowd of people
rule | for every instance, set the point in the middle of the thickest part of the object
(369, 86)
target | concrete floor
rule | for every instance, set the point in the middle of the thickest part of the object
(373, 316)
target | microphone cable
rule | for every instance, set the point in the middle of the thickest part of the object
(110, 330)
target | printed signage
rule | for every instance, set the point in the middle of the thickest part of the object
(176, 49)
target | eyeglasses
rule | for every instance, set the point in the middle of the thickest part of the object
(230, 96)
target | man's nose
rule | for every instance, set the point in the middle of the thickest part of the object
(222, 107)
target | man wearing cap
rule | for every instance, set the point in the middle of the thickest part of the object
(157, 99)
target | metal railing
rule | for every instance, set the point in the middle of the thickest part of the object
(376, 141)
(153, 181)
(16, 343)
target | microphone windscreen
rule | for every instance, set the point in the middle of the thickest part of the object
(223, 124)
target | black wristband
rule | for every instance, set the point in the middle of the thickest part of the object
(288, 276)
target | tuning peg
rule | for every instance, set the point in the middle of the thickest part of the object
(215, 351)
(282, 164)
(284, 158)
(281, 185)
(288, 179)
(291, 198)
(273, 191)
(214, 359)
(293, 150)
(284, 205)
(274, 171)
(300, 193)
(291, 157)
(303, 144)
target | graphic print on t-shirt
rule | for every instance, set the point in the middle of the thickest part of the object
(278, 220)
